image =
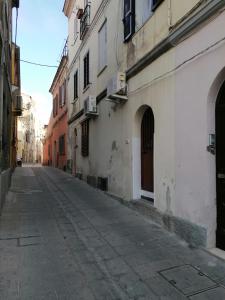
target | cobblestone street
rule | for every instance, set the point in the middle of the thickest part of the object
(62, 239)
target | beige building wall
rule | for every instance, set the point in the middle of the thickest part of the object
(180, 85)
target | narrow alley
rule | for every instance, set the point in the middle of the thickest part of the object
(62, 239)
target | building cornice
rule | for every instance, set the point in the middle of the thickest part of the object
(178, 34)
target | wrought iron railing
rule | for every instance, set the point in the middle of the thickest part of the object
(65, 49)
(85, 21)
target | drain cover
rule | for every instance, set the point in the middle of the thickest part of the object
(188, 279)
(217, 293)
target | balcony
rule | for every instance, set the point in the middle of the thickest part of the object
(85, 21)
(17, 105)
(65, 50)
(15, 67)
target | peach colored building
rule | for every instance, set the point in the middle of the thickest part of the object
(55, 142)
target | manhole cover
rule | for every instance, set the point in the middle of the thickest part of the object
(188, 279)
(214, 294)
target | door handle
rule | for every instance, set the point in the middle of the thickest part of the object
(221, 176)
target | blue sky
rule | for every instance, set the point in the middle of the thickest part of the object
(42, 31)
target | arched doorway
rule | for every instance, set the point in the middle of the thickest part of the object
(147, 155)
(220, 167)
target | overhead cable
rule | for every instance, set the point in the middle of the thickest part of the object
(38, 64)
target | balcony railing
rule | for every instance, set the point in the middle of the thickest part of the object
(85, 21)
(65, 49)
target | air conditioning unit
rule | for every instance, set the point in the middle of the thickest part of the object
(90, 107)
(117, 87)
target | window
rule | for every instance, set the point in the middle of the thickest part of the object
(27, 136)
(85, 138)
(62, 145)
(129, 18)
(86, 70)
(60, 95)
(102, 47)
(75, 85)
(55, 106)
(143, 11)
(136, 13)
(65, 92)
(62, 100)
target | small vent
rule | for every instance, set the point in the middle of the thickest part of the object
(103, 183)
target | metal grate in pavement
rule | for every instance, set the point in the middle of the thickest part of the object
(188, 279)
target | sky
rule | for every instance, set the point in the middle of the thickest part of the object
(41, 35)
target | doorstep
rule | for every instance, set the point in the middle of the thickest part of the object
(217, 252)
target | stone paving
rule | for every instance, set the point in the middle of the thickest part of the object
(62, 239)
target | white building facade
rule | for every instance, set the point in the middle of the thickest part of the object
(153, 142)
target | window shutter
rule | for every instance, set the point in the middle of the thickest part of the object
(64, 93)
(86, 70)
(102, 47)
(56, 105)
(75, 83)
(85, 138)
(129, 18)
(85, 76)
(53, 107)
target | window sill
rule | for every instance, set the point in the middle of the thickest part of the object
(101, 71)
(86, 88)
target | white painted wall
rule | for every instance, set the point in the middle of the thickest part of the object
(183, 103)
(197, 86)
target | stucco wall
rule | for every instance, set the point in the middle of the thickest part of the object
(176, 86)
(183, 102)
(195, 120)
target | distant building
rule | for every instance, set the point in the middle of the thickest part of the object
(30, 133)
(10, 99)
(55, 142)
